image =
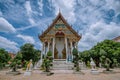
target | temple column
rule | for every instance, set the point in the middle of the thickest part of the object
(45, 51)
(71, 49)
(66, 48)
(77, 45)
(42, 51)
(53, 44)
(48, 46)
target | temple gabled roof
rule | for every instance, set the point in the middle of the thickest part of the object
(53, 23)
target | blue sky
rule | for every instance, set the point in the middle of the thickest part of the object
(22, 20)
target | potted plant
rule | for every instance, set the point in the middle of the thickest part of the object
(47, 63)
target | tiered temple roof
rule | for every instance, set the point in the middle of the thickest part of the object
(59, 16)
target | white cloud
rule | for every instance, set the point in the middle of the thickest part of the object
(87, 13)
(7, 44)
(40, 6)
(67, 9)
(89, 17)
(113, 4)
(42, 22)
(27, 39)
(29, 12)
(0, 13)
(5, 26)
(28, 7)
(98, 32)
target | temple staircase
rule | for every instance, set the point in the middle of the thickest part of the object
(61, 64)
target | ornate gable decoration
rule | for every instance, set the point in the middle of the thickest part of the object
(59, 24)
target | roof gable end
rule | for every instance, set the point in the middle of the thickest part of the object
(59, 16)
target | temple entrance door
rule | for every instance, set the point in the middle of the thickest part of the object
(60, 46)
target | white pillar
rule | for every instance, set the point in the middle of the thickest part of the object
(66, 48)
(71, 49)
(53, 44)
(77, 45)
(42, 51)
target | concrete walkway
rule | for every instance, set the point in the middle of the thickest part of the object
(62, 75)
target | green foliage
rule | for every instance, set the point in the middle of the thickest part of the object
(102, 60)
(49, 53)
(107, 64)
(88, 64)
(105, 49)
(37, 55)
(85, 56)
(76, 59)
(29, 52)
(115, 63)
(16, 61)
(47, 62)
(4, 57)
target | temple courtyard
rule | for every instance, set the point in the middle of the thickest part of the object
(63, 75)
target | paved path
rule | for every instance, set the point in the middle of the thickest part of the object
(62, 75)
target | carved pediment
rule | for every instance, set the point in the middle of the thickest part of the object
(59, 24)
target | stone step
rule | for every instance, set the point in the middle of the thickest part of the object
(57, 63)
(65, 67)
(62, 65)
(68, 68)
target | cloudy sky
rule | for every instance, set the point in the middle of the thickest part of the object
(22, 20)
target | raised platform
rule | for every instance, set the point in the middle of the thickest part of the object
(61, 64)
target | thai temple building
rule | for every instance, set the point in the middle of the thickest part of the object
(59, 38)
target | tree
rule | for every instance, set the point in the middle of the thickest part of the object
(105, 49)
(107, 64)
(115, 63)
(4, 57)
(102, 60)
(85, 57)
(76, 59)
(37, 54)
(116, 55)
(29, 52)
(16, 61)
